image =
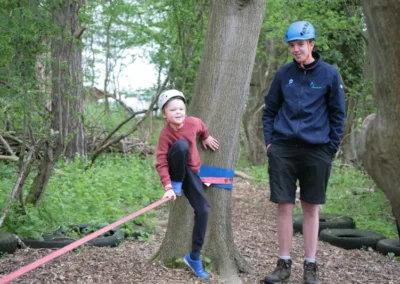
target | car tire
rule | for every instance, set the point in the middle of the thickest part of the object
(326, 221)
(8, 242)
(350, 238)
(386, 246)
(59, 239)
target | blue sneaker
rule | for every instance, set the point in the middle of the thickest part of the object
(196, 266)
(177, 186)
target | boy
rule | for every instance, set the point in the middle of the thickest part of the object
(178, 164)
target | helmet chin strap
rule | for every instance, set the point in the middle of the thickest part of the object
(308, 55)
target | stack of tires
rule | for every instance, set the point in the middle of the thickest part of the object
(59, 239)
(340, 231)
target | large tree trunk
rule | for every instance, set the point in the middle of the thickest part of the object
(73, 84)
(274, 54)
(219, 100)
(381, 155)
(66, 72)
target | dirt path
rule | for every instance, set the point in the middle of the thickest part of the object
(255, 236)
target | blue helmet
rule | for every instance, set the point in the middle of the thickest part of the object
(301, 30)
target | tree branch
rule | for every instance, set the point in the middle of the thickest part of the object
(11, 158)
(7, 146)
(15, 139)
(80, 33)
(5, 84)
(17, 185)
(104, 145)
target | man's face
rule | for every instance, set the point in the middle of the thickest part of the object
(300, 49)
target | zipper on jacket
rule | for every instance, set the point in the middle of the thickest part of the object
(301, 95)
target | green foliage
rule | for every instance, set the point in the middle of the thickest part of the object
(341, 41)
(114, 29)
(339, 25)
(352, 192)
(369, 207)
(176, 32)
(25, 27)
(207, 264)
(97, 121)
(115, 187)
(8, 174)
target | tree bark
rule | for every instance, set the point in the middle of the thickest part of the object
(221, 91)
(381, 154)
(66, 69)
(72, 53)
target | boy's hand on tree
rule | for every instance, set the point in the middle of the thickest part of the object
(211, 143)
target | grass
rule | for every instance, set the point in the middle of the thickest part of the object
(352, 192)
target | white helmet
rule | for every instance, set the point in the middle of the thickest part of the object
(167, 95)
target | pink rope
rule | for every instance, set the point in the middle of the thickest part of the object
(57, 253)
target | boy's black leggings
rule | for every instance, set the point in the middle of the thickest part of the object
(192, 188)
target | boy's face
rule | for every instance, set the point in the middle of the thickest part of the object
(175, 111)
(300, 49)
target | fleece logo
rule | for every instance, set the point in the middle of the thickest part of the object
(290, 84)
(314, 86)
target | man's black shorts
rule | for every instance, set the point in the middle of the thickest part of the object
(289, 163)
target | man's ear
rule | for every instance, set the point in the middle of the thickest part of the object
(312, 44)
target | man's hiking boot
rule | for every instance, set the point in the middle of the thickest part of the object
(310, 273)
(281, 273)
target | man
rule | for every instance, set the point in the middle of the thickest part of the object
(303, 124)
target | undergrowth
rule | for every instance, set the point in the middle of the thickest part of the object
(113, 188)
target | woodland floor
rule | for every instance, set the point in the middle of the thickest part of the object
(255, 236)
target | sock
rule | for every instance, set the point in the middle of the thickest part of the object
(177, 186)
(195, 255)
(284, 257)
(309, 260)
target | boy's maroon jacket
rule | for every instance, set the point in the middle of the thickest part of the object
(191, 128)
